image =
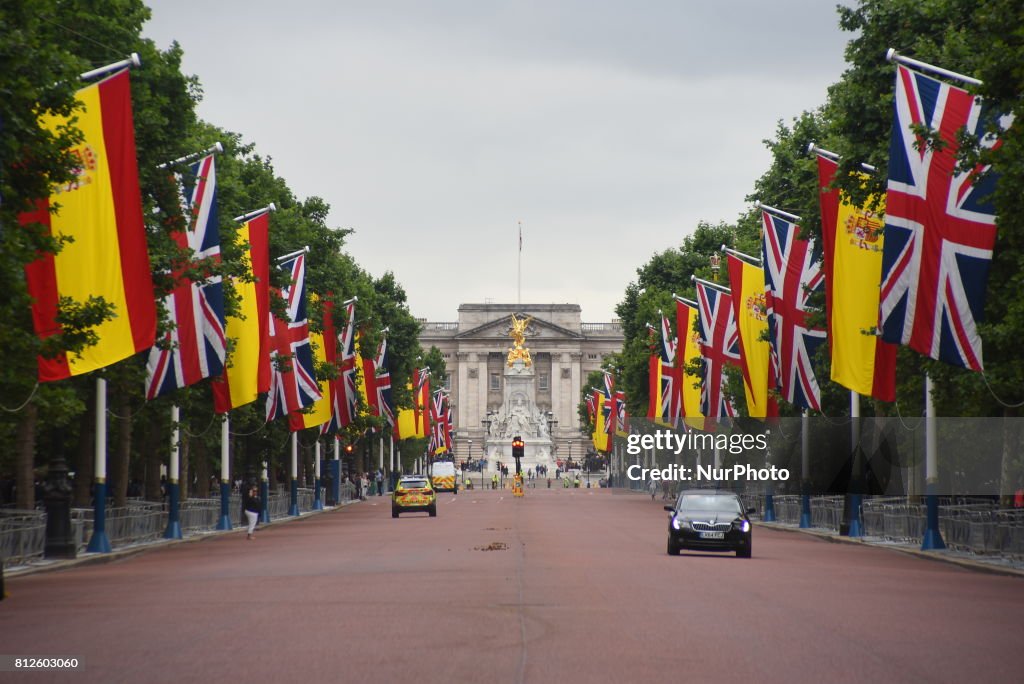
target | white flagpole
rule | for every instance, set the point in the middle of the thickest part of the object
(293, 506)
(255, 213)
(519, 268)
(778, 212)
(132, 61)
(892, 56)
(755, 261)
(225, 473)
(814, 149)
(173, 530)
(216, 148)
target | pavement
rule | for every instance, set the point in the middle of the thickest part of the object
(561, 585)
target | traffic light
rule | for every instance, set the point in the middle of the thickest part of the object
(518, 451)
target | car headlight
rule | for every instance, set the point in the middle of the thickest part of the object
(680, 524)
(742, 525)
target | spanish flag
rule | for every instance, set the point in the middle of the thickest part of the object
(366, 381)
(248, 372)
(852, 243)
(688, 346)
(101, 212)
(320, 412)
(747, 284)
(602, 440)
(654, 387)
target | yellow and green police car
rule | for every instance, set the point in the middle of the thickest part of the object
(414, 493)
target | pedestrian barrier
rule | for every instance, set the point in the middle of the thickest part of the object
(23, 533)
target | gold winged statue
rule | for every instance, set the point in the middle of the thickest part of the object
(518, 335)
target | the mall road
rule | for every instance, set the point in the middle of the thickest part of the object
(562, 586)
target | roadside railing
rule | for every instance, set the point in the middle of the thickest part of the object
(23, 533)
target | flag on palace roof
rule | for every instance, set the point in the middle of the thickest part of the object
(940, 224)
(719, 345)
(105, 254)
(195, 345)
(248, 371)
(852, 249)
(792, 275)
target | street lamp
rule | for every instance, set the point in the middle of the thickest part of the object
(716, 264)
(469, 457)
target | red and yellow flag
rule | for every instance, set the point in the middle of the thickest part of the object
(747, 284)
(101, 211)
(852, 241)
(248, 372)
(688, 347)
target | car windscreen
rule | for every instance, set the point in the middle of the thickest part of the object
(413, 484)
(708, 502)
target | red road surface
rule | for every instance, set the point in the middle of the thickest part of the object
(584, 592)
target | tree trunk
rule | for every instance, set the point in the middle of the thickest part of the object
(84, 463)
(121, 461)
(24, 458)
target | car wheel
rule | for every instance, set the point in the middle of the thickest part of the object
(432, 510)
(744, 553)
(673, 548)
(394, 512)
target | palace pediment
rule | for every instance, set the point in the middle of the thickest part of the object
(538, 329)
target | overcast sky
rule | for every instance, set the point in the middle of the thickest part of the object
(609, 129)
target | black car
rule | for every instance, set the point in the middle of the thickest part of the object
(709, 520)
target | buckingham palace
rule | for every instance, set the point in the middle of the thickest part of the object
(492, 397)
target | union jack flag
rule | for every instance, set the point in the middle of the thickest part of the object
(621, 415)
(671, 375)
(792, 274)
(195, 346)
(344, 392)
(719, 345)
(940, 226)
(609, 399)
(293, 383)
(385, 406)
(440, 434)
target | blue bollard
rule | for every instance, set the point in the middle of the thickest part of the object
(100, 542)
(173, 530)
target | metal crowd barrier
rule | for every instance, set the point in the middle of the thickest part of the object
(22, 535)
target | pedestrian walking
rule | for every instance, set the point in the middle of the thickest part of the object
(652, 488)
(380, 483)
(252, 506)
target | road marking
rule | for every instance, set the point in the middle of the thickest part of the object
(452, 500)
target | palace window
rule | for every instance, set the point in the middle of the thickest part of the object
(495, 382)
(542, 382)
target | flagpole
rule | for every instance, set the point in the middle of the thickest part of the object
(100, 542)
(684, 300)
(892, 56)
(854, 529)
(336, 473)
(286, 257)
(708, 283)
(932, 540)
(805, 469)
(814, 149)
(778, 212)
(256, 212)
(293, 505)
(131, 61)
(519, 268)
(318, 505)
(216, 148)
(173, 530)
(754, 261)
(225, 473)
